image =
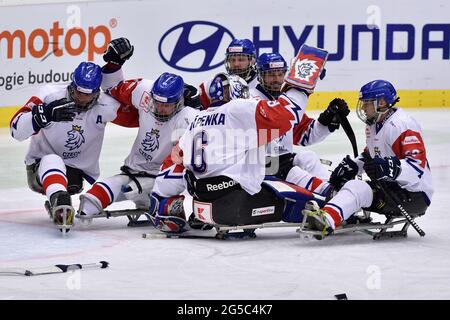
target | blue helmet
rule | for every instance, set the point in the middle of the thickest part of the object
(271, 63)
(383, 96)
(379, 89)
(87, 77)
(241, 47)
(167, 92)
(85, 87)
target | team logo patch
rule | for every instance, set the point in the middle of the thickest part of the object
(377, 152)
(75, 138)
(263, 211)
(151, 141)
(145, 101)
(306, 68)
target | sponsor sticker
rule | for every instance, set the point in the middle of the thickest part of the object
(263, 211)
(203, 211)
(410, 140)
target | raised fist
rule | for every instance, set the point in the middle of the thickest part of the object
(331, 116)
(118, 51)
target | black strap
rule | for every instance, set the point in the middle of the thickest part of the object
(133, 175)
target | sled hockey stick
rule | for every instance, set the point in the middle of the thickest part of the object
(58, 268)
(350, 135)
(349, 132)
(399, 206)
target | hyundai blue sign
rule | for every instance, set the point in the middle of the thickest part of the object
(180, 43)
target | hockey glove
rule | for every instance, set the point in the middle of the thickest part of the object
(118, 51)
(56, 111)
(345, 171)
(192, 97)
(383, 169)
(329, 117)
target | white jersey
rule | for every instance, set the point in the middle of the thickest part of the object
(77, 142)
(253, 83)
(231, 140)
(307, 132)
(154, 139)
(400, 135)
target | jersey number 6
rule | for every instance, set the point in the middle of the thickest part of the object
(198, 160)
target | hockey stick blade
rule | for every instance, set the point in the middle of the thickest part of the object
(58, 268)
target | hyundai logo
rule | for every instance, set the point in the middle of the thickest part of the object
(195, 46)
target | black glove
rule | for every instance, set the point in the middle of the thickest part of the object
(191, 97)
(118, 51)
(345, 171)
(329, 117)
(383, 169)
(56, 111)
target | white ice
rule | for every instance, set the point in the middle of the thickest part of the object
(275, 265)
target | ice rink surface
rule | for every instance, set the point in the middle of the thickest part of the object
(276, 265)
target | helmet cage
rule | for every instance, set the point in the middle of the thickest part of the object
(378, 110)
(243, 73)
(159, 101)
(71, 92)
(273, 89)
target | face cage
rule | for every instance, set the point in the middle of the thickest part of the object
(275, 92)
(79, 108)
(160, 117)
(377, 110)
(243, 73)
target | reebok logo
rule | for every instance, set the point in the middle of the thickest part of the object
(220, 186)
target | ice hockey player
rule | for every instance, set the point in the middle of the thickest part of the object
(302, 168)
(240, 60)
(162, 119)
(66, 124)
(394, 156)
(223, 88)
(223, 152)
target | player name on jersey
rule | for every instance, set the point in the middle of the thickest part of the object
(208, 120)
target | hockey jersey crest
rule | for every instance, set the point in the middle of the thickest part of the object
(75, 138)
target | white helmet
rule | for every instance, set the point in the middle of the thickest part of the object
(237, 88)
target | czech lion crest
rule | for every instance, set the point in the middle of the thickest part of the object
(151, 141)
(306, 68)
(75, 138)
